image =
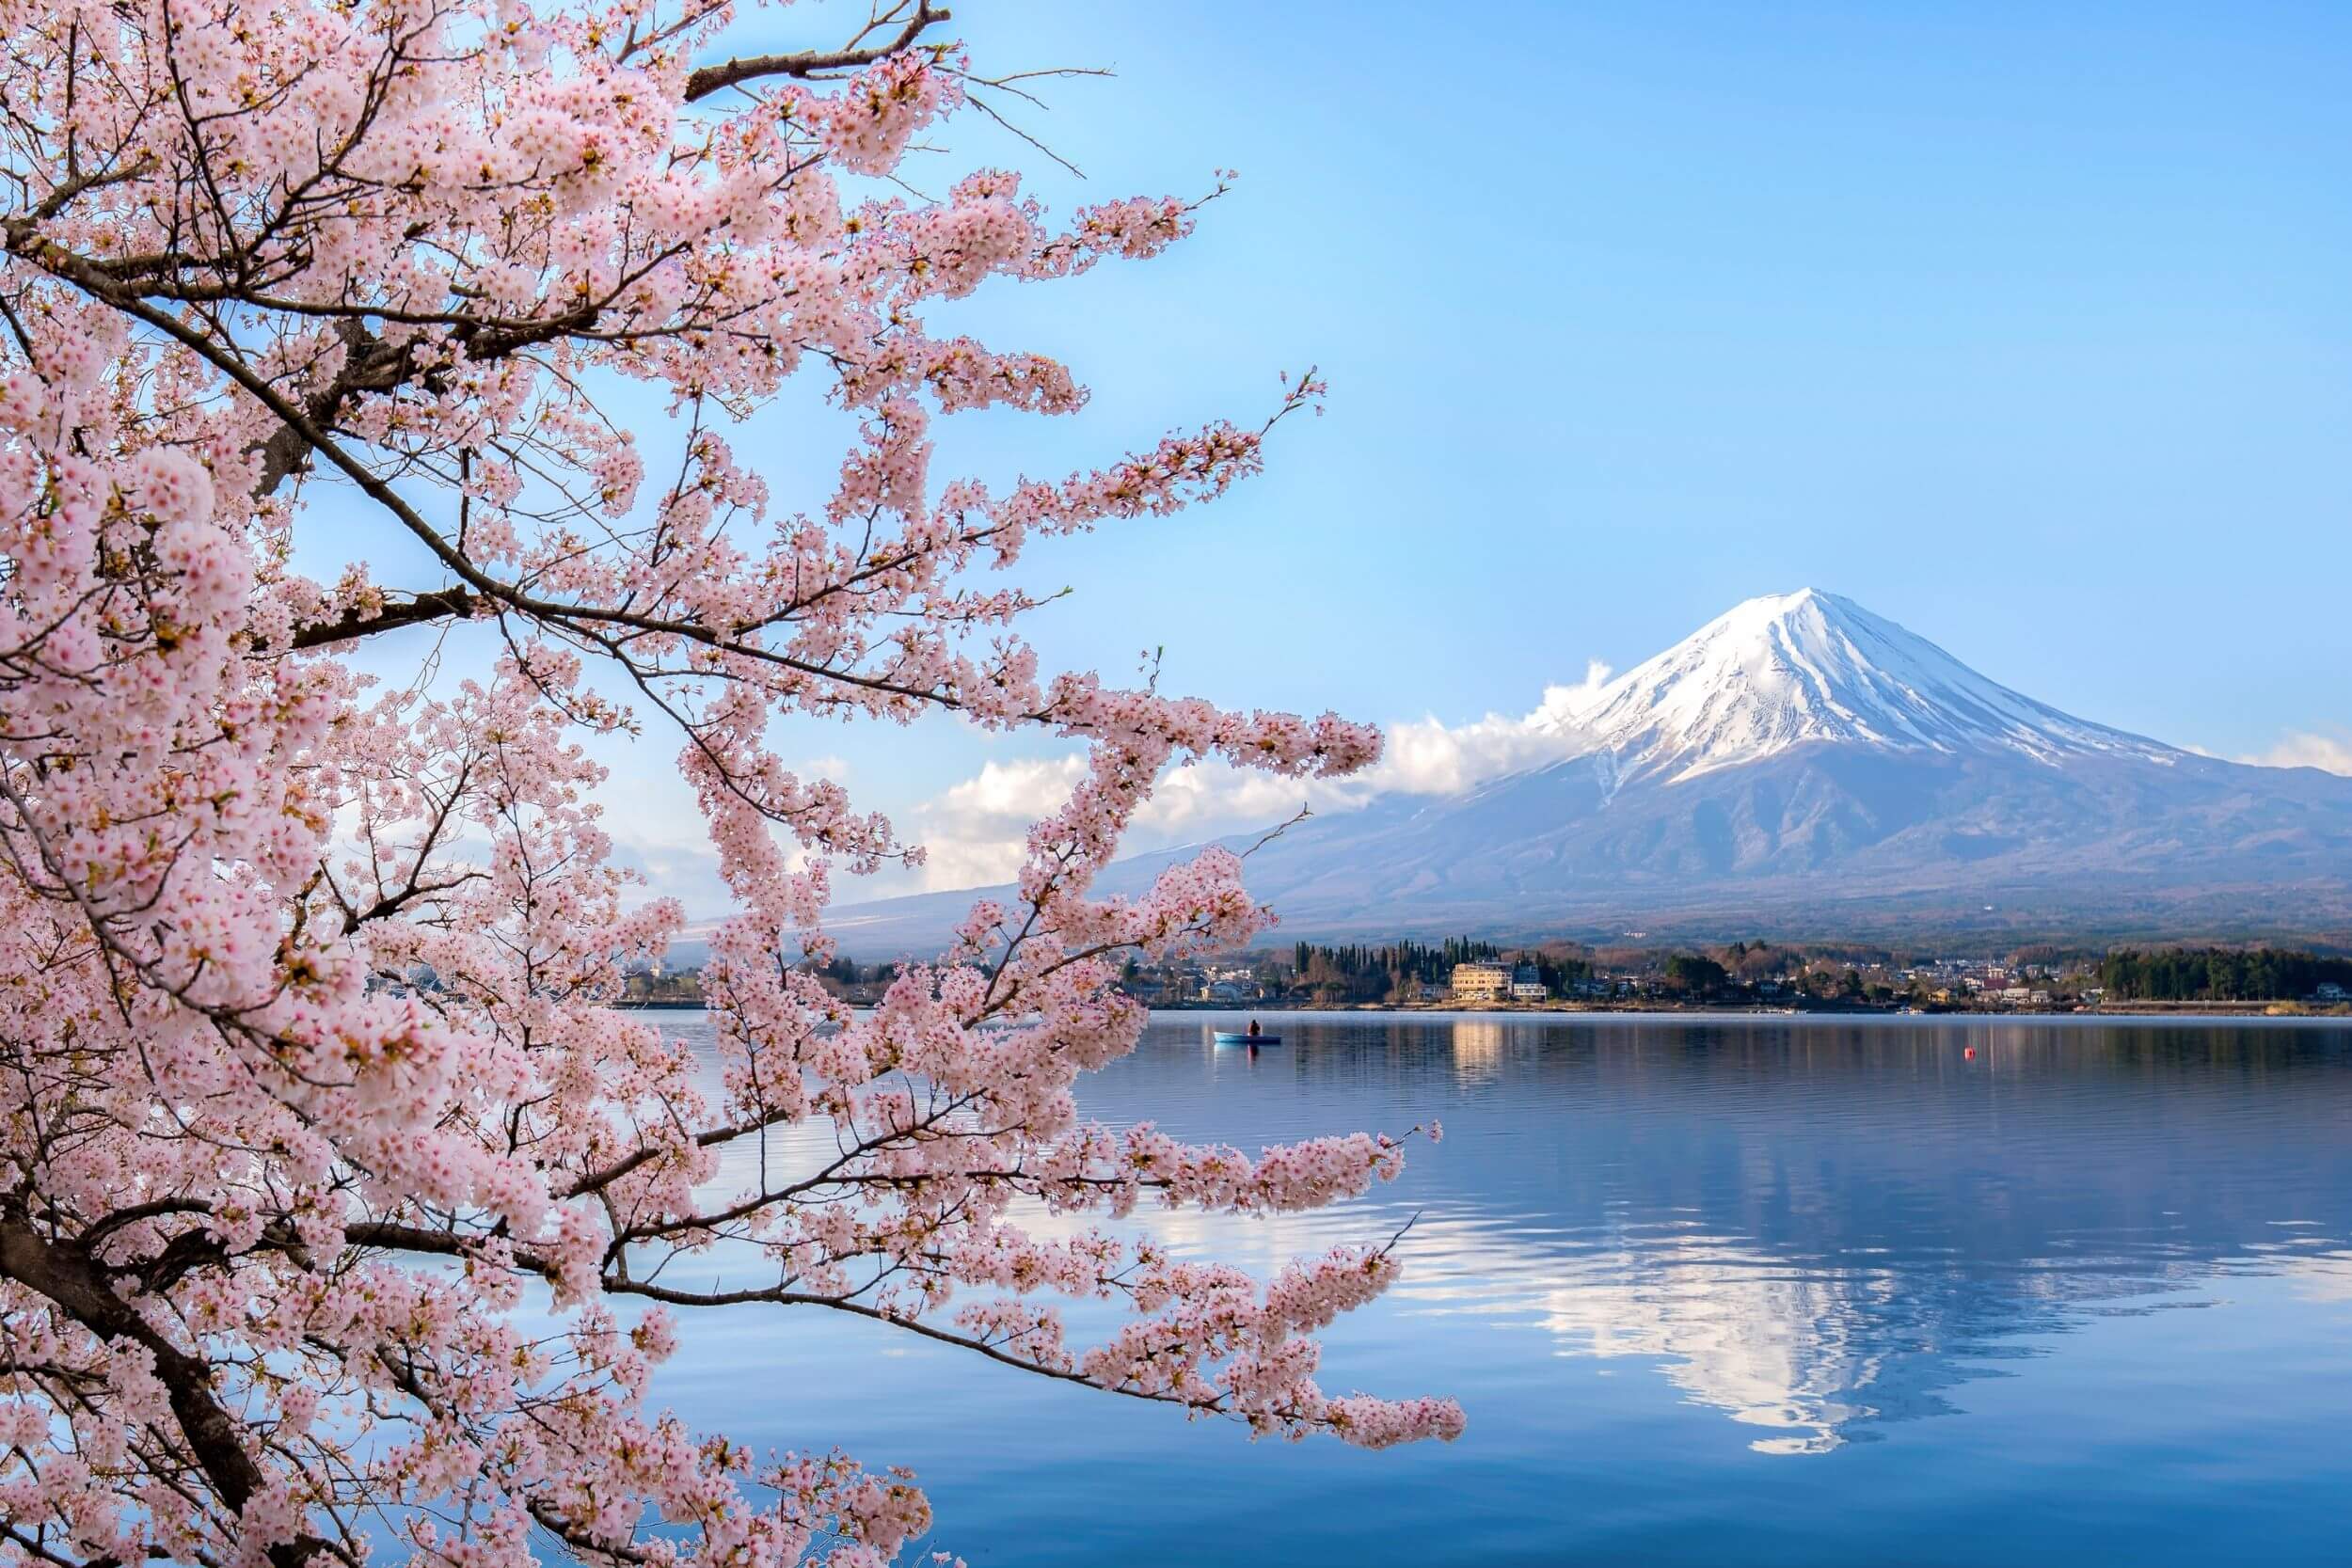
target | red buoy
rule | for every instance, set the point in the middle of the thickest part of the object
(1969, 1054)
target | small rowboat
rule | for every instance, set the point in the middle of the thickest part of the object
(1228, 1037)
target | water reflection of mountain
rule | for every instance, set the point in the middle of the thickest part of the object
(1822, 1230)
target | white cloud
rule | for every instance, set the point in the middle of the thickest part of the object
(2307, 749)
(975, 831)
(1212, 798)
(1428, 758)
(1022, 791)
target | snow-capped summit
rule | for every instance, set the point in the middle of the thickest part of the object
(1791, 670)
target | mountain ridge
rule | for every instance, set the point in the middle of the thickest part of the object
(1797, 761)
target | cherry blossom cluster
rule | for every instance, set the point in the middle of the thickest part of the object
(338, 1202)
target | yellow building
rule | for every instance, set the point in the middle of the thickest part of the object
(1481, 981)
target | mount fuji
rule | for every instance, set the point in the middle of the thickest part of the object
(1811, 669)
(1797, 767)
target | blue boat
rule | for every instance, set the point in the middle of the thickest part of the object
(1230, 1036)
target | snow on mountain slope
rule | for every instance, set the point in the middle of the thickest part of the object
(1791, 670)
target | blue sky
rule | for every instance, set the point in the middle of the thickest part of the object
(2027, 326)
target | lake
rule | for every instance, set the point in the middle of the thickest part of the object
(1711, 1289)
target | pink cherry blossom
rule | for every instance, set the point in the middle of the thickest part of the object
(319, 1103)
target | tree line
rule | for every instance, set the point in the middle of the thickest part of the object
(2218, 974)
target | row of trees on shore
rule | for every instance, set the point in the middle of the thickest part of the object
(2220, 975)
(1401, 971)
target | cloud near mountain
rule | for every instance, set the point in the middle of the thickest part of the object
(2330, 753)
(1797, 764)
(975, 830)
(1429, 758)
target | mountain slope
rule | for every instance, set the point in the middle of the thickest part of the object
(1800, 766)
(1811, 668)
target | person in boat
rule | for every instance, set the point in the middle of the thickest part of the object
(1253, 1028)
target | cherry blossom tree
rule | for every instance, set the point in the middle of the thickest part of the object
(338, 1202)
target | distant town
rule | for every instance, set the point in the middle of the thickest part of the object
(1468, 974)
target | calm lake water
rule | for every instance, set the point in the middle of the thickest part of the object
(1755, 1290)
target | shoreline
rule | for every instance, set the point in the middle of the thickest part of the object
(2230, 1011)
(1757, 1010)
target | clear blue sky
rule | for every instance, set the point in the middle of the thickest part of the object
(2028, 326)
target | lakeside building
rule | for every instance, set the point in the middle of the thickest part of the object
(1527, 983)
(1482, 980)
